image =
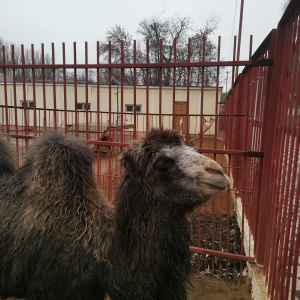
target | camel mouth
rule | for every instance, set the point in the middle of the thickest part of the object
(227, 180)
(219, 181)
(217, 186)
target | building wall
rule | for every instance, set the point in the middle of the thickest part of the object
(90, 93)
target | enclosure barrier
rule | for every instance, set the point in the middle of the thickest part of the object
(253, 134)
(269, 100)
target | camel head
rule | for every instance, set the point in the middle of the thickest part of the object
(163, 164)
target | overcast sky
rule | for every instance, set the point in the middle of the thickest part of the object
(38, 21)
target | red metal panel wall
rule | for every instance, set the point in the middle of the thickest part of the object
(283, 223)
(264, 105)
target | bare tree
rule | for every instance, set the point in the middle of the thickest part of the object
(164, 32)
(110, 49)
(202, 46)
(177, 30)
(12, 54)
(162, 36)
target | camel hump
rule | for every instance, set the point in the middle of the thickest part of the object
(56, 148)
(56, 160)
(7, 163)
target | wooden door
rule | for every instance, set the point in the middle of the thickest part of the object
(180, 116)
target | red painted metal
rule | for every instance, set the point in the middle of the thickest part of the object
(147, 86)
(188, 77)
(65, 88)
(122, 92)
(222, 254)
(75, 88)
(202, 90)
(44, 89)
(5, 91)
(174, 83)
(270, 101)
(86, 94)
(134, 91)
(217, 96)
(54, 83)
(160, 83)
(229, 63)
(239, 36)
(33, 93)
(256, 136)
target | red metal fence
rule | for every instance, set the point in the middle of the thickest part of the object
(269, 184)
(254, 135)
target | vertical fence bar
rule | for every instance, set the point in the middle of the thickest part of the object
(229, 172)
(202, 93)
(15, 100)
(54, 87)
(239, 37)
(75, 88)
(160, 82)
(134, 91)
(65, 88)
(44, 90)
(109, 89)
(98, 93)
(16, 120)
(5, 91)
(122, 91)
(33, 92)
(217, 95)
(87, 136)
(187, 116)
(97, 136)
(147, 87)
(111, 149)
(174, 86)
(25, 123)
(250, 46)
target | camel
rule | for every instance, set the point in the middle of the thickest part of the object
(60, 239)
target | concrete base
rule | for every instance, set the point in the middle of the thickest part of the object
(259, 289)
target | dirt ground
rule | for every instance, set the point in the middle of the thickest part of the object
(207, 288)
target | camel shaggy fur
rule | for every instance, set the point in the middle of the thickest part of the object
(163, 181)
(55, 226)
(61, 240)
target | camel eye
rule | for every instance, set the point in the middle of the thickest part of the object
(164, 164)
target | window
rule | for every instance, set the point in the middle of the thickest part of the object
(129, 108)
(82, 106)
(29, 103)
